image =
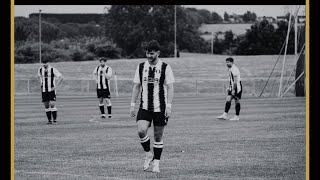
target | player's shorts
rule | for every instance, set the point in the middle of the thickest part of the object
(158, 118)
(48, 96)
(237, 94)
(103, 93)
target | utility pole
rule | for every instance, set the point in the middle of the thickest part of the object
(284, 57)
(175, 31)
(211, 42)
(40, 35)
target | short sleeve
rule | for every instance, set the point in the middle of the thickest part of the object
(136, 78)
(235, 72)
(56, 72)
(109, 71)
(169, 75)
(39, 74)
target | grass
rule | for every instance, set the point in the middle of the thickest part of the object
(188, 66)
(267, 143)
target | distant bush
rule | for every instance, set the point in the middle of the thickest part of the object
(81, 55)
(29, 53)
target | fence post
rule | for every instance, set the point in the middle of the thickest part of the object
(28, 86)
(88, 87)
(196, 87)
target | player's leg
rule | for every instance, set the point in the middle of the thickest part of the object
(159, 123)
(45, 100)
(107, 95)
(53, 111)
(143, 123)
(237, 107)
(109, 105)
(101, 105)
(226, 107)
(157, 147)
(48, 111)
(53, 107)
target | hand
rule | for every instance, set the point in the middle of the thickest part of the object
(132, 113)
(54, 88)
(167, 112)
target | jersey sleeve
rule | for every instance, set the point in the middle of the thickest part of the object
(56, 73)
(136, 78)
(94, 71)
(109, 73)
(235, 72)
(39, 75)
(169, 75)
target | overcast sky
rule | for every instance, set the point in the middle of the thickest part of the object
(260, 10)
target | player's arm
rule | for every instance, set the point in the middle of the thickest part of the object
(59, 76)
(234, 84)
(134, 97)
(39, 76)
(94, 74)
(135, 91)
(170, 90)
(109, 73)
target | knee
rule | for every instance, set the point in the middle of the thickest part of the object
(142, 133)
(52, 105)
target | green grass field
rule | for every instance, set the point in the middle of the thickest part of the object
(267, 143)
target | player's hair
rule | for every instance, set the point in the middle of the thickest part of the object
(103, 59)
(45, 60)
(230, 59)
(152, 45)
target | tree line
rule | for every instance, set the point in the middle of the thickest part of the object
(124, 30)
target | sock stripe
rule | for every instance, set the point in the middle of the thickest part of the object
(145, 139)
(158, 144)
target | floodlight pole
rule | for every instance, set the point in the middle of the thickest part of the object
(175, 31)
(40, 35)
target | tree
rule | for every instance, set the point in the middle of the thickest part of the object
(260, 39)
(226, 16)
(216, 18)
(131, 26)
(249, 17)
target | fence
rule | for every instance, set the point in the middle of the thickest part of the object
(251, 87)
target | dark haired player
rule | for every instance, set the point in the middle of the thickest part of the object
(154, 81)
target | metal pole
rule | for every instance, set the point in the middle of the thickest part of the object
(175, 31)
(40, 35)
(295, 34)
(212, 43)
(284, 57)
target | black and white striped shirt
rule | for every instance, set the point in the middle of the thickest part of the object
(47, 77)
(101, 75)
(154, 82)
(234, 72)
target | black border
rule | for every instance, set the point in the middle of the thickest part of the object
(313, 61)
(314, 92)
(182, 2)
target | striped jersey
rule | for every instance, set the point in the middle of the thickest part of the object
(47, 76)
(154, 82)
(100, 74)
(234, 72)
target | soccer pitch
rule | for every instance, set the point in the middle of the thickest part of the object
(267, 143)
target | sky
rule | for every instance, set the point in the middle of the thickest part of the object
(259, 10)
